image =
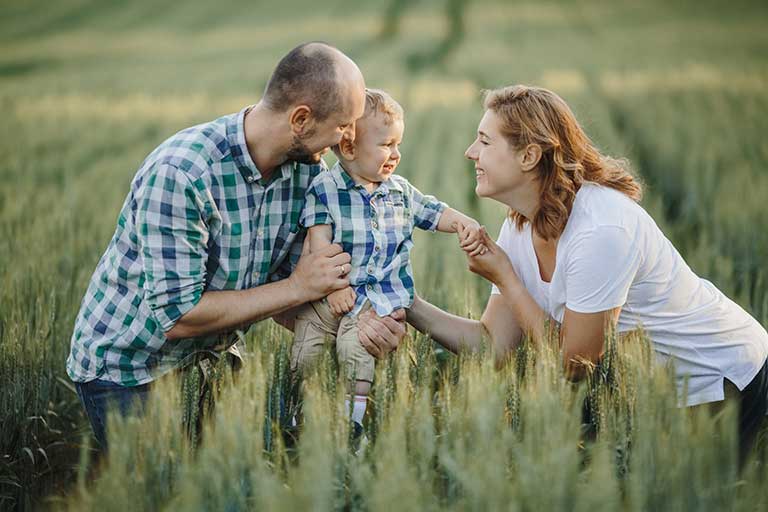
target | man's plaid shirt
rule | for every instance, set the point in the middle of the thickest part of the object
(375, 229)
(199, 216)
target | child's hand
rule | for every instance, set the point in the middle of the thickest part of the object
(470, 239)
(342, 301)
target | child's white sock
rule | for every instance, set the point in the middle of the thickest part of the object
(358, 409)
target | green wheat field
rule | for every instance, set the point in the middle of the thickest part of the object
(88, 88)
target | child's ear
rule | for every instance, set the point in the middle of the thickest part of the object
(347, 148)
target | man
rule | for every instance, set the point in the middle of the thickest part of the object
(207, 240)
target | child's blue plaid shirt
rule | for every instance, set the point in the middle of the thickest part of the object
(375, 229)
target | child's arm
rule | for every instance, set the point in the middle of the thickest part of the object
(426, 210)
(468, 229)
(341, 301)
(320, 236)
(451, 221)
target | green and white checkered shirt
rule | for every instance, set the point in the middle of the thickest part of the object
(199, 216)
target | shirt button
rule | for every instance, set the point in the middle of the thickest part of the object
(370, 287)
(250, 179)
(370, 270)
(376, 248)
(260, 233)
(374, 224)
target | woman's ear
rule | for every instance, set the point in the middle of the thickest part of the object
(347, 148)
(531, 156)
(301, 120)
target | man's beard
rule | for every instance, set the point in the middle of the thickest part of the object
(299, 152)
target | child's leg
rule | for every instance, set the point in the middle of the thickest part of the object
(358, 364)
(314, 324)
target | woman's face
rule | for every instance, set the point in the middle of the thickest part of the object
(498, 168)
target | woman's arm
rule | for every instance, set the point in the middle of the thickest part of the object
(457, 333)
(453, 332)
(582, 337)
(581, 334)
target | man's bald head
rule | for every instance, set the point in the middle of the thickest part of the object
(313, 74)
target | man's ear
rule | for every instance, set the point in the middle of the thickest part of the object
(301, 119)
(347, 148)
(530, 157)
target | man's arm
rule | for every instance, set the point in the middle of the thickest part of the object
(316, 275)
(172, 236)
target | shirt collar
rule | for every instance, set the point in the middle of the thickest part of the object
(239, 149)
(345, 182)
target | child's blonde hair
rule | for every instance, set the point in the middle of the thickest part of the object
(379, 103)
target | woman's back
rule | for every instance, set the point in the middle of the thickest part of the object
(611, 254)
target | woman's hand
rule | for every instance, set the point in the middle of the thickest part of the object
(380, 335)
(470, 240)
(492, 264)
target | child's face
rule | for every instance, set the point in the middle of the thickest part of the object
(377, 148)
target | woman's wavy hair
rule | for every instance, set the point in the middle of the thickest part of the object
(533, 115)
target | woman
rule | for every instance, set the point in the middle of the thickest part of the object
(578, 249)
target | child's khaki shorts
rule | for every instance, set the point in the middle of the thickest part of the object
(316, 324)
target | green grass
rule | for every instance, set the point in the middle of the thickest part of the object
(88, 88)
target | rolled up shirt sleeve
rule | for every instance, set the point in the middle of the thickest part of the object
(426, 210)
(600, 270)
(172, 237)
(315, 210)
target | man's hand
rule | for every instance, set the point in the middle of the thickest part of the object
(342, 301)
(380, 335)
(320, 273)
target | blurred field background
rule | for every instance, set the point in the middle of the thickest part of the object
(88, 88)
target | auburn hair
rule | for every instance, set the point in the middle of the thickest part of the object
(533, 115)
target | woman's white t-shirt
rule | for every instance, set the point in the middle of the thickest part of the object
(611, 254)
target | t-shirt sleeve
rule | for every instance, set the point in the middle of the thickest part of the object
(505, 242)
(600, 268)
(315, 210)
(426, 210)
(172, 238)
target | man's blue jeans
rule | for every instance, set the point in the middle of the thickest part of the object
(101, 396)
